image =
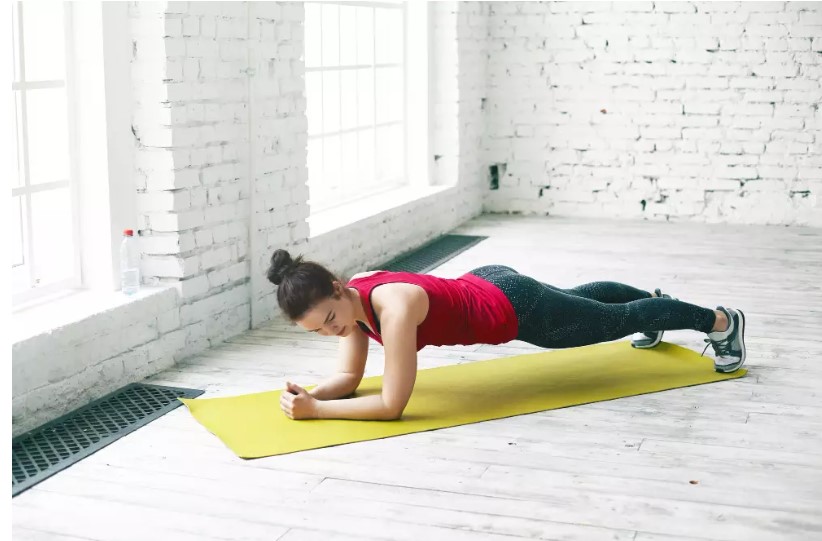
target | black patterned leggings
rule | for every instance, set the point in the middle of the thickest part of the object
(555, 318)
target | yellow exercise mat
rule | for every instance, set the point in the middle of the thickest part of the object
(254, 426)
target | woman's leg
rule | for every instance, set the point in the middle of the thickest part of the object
(607, 292)
(552, 318)
(616, 293)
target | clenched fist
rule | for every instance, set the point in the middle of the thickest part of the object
(297, 403)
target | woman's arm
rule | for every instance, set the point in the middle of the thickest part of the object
(353, 355)
(401, 308)
(399, 334)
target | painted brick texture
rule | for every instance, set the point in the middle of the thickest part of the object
(695, 111)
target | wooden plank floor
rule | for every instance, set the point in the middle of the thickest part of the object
(612, 470)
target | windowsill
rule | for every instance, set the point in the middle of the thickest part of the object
(328, 220)
(49, 315)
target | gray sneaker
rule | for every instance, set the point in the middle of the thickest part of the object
(649, 339)
(729, 345)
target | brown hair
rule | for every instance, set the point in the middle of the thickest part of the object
(302, 284)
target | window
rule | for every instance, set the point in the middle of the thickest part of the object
(44, 232)
(356, 99)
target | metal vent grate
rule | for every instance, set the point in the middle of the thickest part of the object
(44, 451)
(433, 254)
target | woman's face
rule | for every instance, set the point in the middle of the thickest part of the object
(331, 317)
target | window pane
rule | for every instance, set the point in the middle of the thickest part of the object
(396, 167)
(366, 156)
(52, 236)
(365, 34)
(315, 164)
(389, 95)
(389, 43)
(17, 227)
(331, 101)
(348, 35)
(313, 51)
(348, 79)
(19, 172)
(353, 100)
(331, 161)
(389, 152)
(43, 41)
(331, 35)
(348, 171)
(365, 93)
(47, 116)
(314, 102)
(15, 41)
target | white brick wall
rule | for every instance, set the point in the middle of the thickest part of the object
(192, 147)
(75, 364)
(280, 174)
(219, 154)
(472, 25)
(703, 111)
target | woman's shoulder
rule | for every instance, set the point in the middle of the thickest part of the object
(365, 274)
(401, 297)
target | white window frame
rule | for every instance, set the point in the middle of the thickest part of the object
(418, 162)
(414, 104)
(101, 110)
(107, 189)
(34, 291)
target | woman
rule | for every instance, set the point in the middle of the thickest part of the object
(489, 305)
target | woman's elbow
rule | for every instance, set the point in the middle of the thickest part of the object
(393, 412)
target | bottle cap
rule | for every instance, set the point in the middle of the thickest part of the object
(128, 232)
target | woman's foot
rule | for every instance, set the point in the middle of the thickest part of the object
(729, 345)
(649, 339)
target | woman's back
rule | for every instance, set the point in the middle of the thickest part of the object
(464, 310)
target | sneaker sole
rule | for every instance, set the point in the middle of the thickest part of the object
(736, 366)
(652, 344)
(659, 336)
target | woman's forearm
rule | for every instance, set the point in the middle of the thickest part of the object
(337, 386)
(366, 408)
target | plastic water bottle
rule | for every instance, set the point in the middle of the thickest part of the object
(129, 263)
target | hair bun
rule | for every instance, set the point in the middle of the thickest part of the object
(281, 266)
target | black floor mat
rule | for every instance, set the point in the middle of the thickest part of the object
(44, 451)
(432, 255)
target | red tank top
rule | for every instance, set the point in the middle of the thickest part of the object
(465, 310)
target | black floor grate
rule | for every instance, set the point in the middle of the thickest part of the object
(433, 254)
(44, 451)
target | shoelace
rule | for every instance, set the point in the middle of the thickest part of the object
(721, 347)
